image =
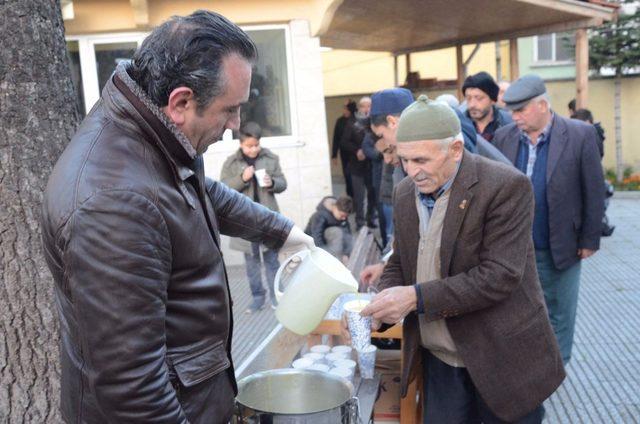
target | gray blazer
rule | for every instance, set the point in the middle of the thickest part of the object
(574, 186)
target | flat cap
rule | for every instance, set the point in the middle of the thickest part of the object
(522, 90)
(391, 101)
(426, 119)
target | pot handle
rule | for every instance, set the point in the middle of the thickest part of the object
(283, 265)
(354, 411)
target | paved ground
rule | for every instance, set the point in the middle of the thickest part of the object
(603, 384)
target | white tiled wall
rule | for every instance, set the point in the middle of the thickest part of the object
(305, 157)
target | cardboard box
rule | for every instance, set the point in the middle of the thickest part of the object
(387, 407)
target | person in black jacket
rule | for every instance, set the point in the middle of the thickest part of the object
(329, 226)
(336, 147)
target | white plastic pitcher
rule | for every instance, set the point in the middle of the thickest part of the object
(313, 286)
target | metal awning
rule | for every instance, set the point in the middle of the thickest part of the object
(403, 26)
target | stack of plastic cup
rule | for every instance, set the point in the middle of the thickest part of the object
(367, 361)
(359, 326)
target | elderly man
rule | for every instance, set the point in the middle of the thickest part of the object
(481, 94)
(463, 278)
(560, 156)
(131, 233)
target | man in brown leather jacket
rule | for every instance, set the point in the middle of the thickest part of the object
(131, 233)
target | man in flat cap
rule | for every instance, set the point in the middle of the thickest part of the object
(481, 94)
(560, 156)
(462, 276)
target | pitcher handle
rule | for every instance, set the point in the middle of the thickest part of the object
(283, 265)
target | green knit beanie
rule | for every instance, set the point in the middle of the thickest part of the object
(426, 119)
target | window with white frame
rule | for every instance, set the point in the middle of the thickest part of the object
(93, 59)
(556, 48)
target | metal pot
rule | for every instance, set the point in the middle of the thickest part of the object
(295, 396)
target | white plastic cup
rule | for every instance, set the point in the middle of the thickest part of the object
(359, 326)
(345, 373)
(367, 361)
(317, 358)
(319, 367)
(302, 363)
(346, 363)
(324, 349)
(260, 174)
(343, 349)
(332, 357)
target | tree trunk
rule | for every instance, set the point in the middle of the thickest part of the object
(37, 118)
(618, 126)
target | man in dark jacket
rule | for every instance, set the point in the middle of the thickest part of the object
(481, 93)
(131, 233)
(560, 157)
(359, 168)
(336, 147)
(329, 226)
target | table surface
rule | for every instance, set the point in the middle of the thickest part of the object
(367, 390)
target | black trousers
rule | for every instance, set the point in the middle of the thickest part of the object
(363, 189)
(346, 172)
(451, 398)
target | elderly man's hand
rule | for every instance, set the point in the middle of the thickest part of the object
(392, 305)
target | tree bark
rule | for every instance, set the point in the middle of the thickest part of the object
(37, 118)
(618, 125)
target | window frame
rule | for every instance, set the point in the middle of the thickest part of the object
(90, 85)
(553, 61)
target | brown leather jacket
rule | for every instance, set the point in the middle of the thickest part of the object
(131, 236)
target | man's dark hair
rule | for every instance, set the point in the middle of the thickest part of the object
(187, 51)
(572, 105)
(583, 115)
(352, 106)
(345, 204)
(381, 119)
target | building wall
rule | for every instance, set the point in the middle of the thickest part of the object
(547, 71)
(601, 104)
(348, 71)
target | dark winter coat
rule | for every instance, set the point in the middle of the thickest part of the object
(132, 240)
(322, 219)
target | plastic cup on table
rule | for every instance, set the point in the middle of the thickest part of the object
(302, 363)
(345, 373)
(343, 349)
(332, 357)
(359, 326)
(319, 367)
(367, 361)
(317, 358)
(346, 363)
(324, 349)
